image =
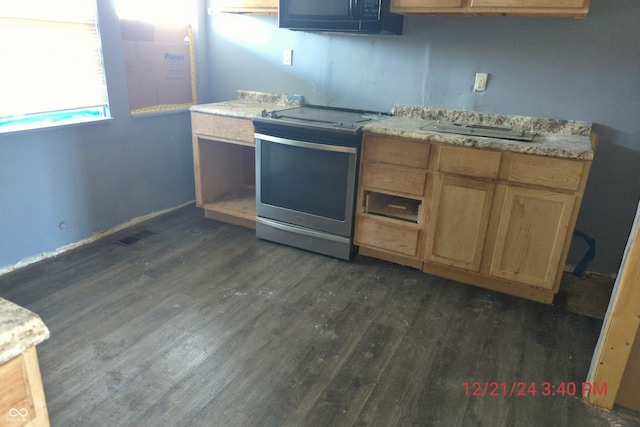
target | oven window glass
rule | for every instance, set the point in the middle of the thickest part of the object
(306, 180)
(323, 8)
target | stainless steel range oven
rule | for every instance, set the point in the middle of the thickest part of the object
(306, 171)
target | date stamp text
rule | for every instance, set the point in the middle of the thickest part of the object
(525, 389)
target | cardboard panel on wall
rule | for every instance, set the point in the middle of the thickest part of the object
(157, 65)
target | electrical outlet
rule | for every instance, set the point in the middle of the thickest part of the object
(287, 57)
(481, 82)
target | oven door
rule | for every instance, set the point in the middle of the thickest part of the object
(307, 184)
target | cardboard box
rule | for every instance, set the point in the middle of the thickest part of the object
(157, 64)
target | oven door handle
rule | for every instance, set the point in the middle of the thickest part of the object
(304, 144)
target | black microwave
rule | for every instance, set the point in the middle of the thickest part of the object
(344, 16)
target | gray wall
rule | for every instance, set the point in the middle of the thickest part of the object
(578, 69)
(94, 176)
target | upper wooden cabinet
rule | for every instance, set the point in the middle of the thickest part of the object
(568, 8)
(245, 6)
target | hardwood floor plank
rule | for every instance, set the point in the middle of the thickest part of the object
(342, 401)
(199, 323)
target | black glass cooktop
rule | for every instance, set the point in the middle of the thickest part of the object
(321, 117)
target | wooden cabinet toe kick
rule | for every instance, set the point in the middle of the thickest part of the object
(488, 282)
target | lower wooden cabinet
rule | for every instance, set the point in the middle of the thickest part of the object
(532, 230)
(22, 401)
(459, 219)
(224, 168)
(393, 185)
(498, 220)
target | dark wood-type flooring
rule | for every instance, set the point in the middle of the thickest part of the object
(198, 323)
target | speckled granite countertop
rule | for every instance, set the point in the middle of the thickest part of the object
(20, 329)
(555, 138)
(249, 104)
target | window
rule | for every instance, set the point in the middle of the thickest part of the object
(52, 72)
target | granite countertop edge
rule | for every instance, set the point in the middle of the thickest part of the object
(573, 147)
(20, 329)
(555, 138)
(249, 104)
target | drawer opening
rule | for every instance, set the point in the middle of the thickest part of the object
(391, 206)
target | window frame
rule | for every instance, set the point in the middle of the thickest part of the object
(90, 109)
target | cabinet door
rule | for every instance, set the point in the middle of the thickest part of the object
(546, 4)
(459, 220)
(425, 4)
(245, 6)
(531, 234)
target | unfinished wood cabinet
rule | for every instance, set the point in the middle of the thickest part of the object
(22, 401)
(567, 8)
(499, 220)
(224, 168)
(460, 205)
(427, 6)
(458, 222)
(391, 194)
(245, 6)
(533, 226)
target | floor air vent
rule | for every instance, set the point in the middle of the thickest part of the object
(129, 240)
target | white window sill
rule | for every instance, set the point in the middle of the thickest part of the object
(49, 124)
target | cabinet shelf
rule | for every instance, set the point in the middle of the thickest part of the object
(237, 207)
(391, 206)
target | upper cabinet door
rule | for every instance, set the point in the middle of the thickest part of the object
(245, 6)
(429, 4)
(548, 4)
(570, 8)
